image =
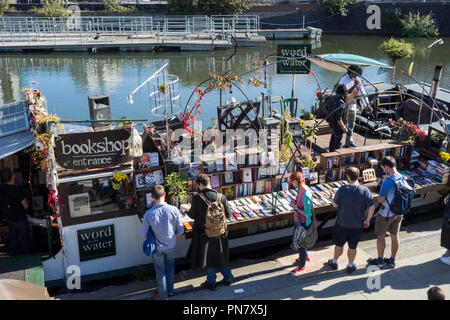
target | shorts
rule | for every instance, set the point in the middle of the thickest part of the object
(392, 224)
(342, 235)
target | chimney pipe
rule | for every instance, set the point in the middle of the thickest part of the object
(436, 79)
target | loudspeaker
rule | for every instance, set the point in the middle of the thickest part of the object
(99, 109)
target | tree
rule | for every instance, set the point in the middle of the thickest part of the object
(339, 6)
(4, 6)
(51, 8)
(209, 7)
(415, 25)
(397, 49)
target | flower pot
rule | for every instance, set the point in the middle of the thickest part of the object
(116, 185)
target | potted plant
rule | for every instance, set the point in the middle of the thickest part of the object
(117, 180)
(177, 184)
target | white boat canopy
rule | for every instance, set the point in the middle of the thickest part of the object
(338, 62)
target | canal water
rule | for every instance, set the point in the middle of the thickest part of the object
(67, 79)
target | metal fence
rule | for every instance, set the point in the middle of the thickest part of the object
(31, 29)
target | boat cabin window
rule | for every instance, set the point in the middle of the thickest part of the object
(96, 196)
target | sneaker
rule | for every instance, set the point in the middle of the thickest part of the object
(351, 145)
(446, 260)
(297, 271)
(373, 262)
(388, 263)
(229, 282)
(296, 260)
(208, 285)
(331, 264)
(350, 270)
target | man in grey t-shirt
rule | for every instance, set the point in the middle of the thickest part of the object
(352, 202)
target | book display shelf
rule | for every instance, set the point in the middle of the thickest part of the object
(333, 164)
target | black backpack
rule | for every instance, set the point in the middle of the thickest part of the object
(403, 196)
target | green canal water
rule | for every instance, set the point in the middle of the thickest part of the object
(67, 79)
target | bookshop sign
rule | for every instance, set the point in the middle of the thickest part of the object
(291, 59)
(92, 149)
(96, 243)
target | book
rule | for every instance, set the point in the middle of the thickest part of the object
(282, 167)
(219, 165)
(140, 181)
(154, 159)
(247, 175)
(228, 177)
(158, 176)
(259, 187)
(148, 199)
(305, 172)
(149, 179)
(144, 161)
(231, 162)
(313, 177)
(195, 170)
(215, 181)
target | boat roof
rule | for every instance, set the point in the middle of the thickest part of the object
(441, 94)
(15, 132)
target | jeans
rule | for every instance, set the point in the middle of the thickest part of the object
(336, 137)
(19, 229)
(350, 124)
(165, 273)
(302, 252)
(211, 275)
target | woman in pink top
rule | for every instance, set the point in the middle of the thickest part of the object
(302, 214)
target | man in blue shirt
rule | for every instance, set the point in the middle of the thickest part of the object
(165, 222)
(386, 220)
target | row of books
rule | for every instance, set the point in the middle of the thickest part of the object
(323, 194)
(149, 179)
(402, 151)
(261, 205)
(332, 162)
(348, 159)
(440, 170)
(148, 160)
(421, 177)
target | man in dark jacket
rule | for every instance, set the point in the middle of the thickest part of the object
(14, 204)
(208, 253)
(335, 117)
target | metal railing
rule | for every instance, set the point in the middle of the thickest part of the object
(33, 29)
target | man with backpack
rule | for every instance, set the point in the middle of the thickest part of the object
(395, 196)
(335, 116)
(210, 249)
(14, 206)
(165, 222)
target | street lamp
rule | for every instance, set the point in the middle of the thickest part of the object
(439, 41)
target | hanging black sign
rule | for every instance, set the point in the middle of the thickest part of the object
(92, 149)
(96, 243)
(291, 58)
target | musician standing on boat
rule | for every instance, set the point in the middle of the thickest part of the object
(354, 88)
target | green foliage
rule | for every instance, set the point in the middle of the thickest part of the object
(339, 6)
(209, 7)
(51, 8)
(4, 6)
(415, 25)
(397, 49)
(113, 6)
(177, 185)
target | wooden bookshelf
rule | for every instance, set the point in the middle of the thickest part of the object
(358, 157)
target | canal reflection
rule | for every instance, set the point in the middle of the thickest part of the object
(66, 79)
